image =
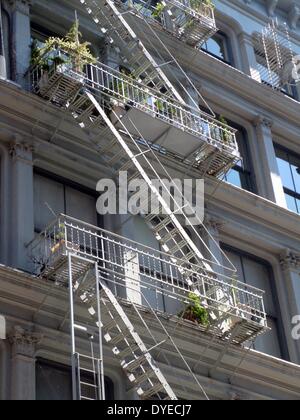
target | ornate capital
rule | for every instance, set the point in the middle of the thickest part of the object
(294, 16)
(21, 6)
(263, 121)
(289, 260)
(24, 342)
(213, 223)
(21, 151)
(271, 7)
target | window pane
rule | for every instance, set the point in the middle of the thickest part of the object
(81, 206)
(298, 206)
(296, 176)
(216, 47)
(53, 383)
(234, 178)
(285, 173)
(258, 275)
(236, 261)
(291, 203)
(269, 342)
(47, 194)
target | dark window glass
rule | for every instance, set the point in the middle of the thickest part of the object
(5, 41)
(258, 273)
(54, 195)
(289, 168)
(219, 47)
(241, 175)
(54, 382)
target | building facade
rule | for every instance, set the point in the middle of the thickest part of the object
(49, 166)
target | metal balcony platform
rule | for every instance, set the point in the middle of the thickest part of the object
(178, 130)
(123, 263)
(193, 22)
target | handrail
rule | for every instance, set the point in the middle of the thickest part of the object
(83, 239)
(118, 86)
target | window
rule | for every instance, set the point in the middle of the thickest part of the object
(289, 168)
(53, 195)
(54, 382)
(219, 47)
(258, 273)
(5, 40)
(241, 175)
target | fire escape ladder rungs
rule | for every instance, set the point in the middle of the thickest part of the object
(107, 16)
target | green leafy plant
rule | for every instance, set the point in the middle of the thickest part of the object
(157, 12)
(60, 235)
(225, 135)
(195, 312)
(78, 53)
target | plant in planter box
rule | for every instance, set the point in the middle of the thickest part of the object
(158, 11)
(60, 238)
(195, 312)
(226, 137)
(77, 53)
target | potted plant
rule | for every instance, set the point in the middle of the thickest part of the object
(67, 53)
(195, 312)
(59, 239)
(226, 137)
(158, 10)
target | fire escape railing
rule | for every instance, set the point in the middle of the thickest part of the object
(120, 88)
(121, 259)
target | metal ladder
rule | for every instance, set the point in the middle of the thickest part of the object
(87, 365)
(134, 54)
(127, 346)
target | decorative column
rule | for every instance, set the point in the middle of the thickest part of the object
(294, 16)
(248, 55)
(2, 53)
(22, 203)
(268, 175)
(290, 265)
(23, 381)
(21, 38)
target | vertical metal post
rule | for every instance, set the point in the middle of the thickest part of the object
(101, 378)
(72, 329)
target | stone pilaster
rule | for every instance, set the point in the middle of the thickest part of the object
(23, 363)
(268, 178)
(290, 264)
(22, 203)
(248, 55)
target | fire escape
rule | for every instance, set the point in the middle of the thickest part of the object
(142, 121)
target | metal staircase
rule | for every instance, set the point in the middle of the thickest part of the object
(134, 55)
(191, 21)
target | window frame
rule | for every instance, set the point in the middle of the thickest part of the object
(246, 169)
(278, 320)
(226, 46)
(287, 191)
(71, 184)
(109, 384)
